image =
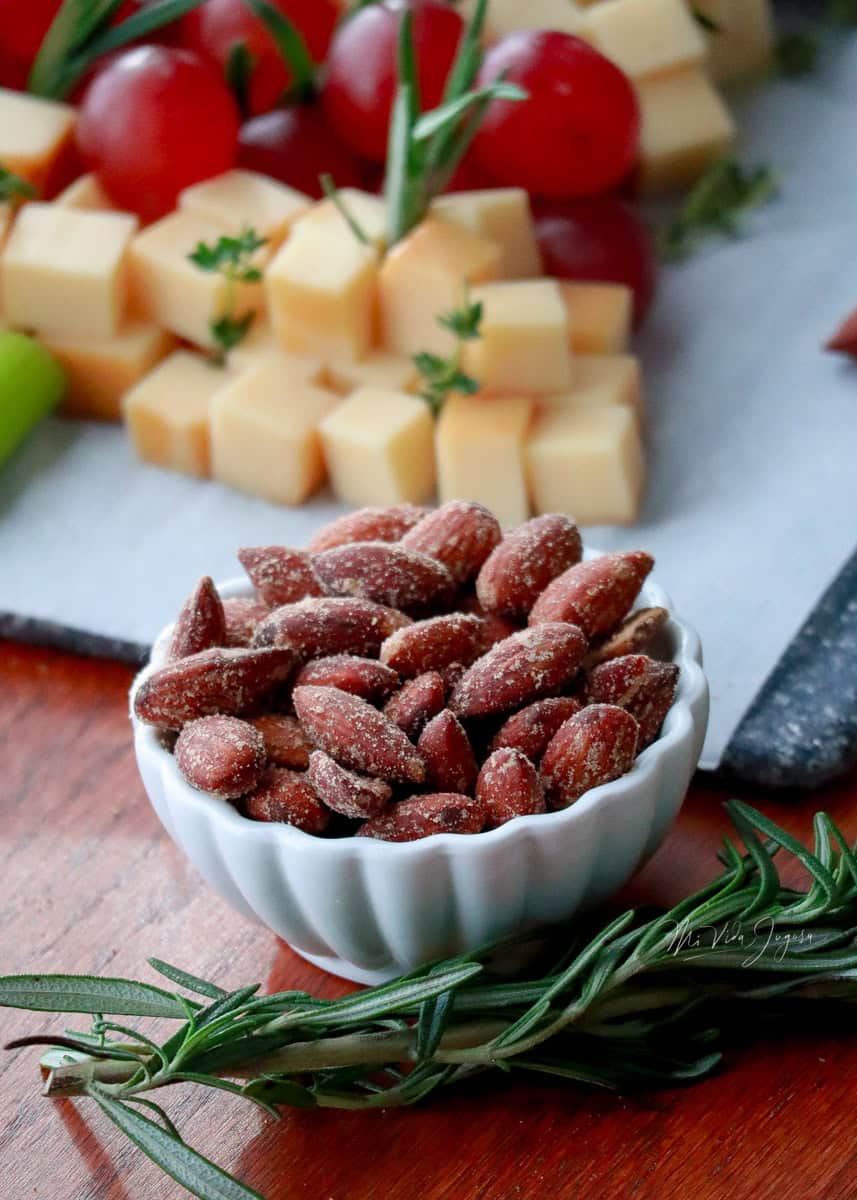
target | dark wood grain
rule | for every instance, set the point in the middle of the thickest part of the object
(90, 883)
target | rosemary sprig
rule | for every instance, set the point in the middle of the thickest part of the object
(716, 203)
(333, 194)
(444, 375)
(637, 1003)
(231, 257)
(14, 189)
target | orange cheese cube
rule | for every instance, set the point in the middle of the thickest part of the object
(378, 448)
(168, 411)
(507, 16)
(501, 215)
(646, 37)
(369, 212)
(744, 42)
(423, 277)
(685, 127)
(64, 271)
(240, 200)
(588, 462)
(393, 372)
(524, 342)
(604, 381)
(99, 371)
(265, 434)
(599, 316)
(480, 454)
(85, 192)
(33, 135)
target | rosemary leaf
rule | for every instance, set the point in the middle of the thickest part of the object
(291, 46)
(87, 994)
(193, 983)
(333, 193)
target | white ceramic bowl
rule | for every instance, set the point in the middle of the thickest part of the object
(369, 910)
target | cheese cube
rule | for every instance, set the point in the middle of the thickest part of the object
(265, 434)
(99, 371)
(480, 454)
(260, 346)
(321, 291)
(423, 277)
(524, 343)
(501, 215)
(6, 218)
(34, 133)
(239, 200)
(85, 192)
(587, 462)
(64, 271)
(685, 127)
(378, 448)
(393, 372)
(507, 16)
(603, 381)
(168, 289)
(367, 210)
(743, 42)
(168, 411)
(599, 316)
(646, 37)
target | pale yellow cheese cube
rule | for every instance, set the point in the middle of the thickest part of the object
(599, 316)
(423, 277)
(321, 291)
(743, 42)
(260, 346)
(85, 192)
(685, 127)
(507, 16)
(168, 289)
(64, 271)
(378, 448)
(646, 37)
(378, 369)
(33, 134)
(99, 371)
(480, 454)
(604, 381)
(587, 462)
(265, 434)
(501, 215)
(524, 344)
(239, 200)
(6, 218)
(369, 212)
(168, 411)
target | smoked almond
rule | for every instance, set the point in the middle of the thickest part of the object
(280, 575)
(594, 595)
(201, 624)
(286, 743)
(595, 746)
(531, 729)
(424, 816)
(450, 762)
(634, 636)
(364, 677)
(287, 797)
(357, 735)
(416, 702)
(346, 792)
(525, 562)
(435, 643)
(460, 534)
(326, 625)
(641, 685)
(387, 574)
(242, 616)
(233, 682)
(368, 525)
(221, 755)
(508, 786)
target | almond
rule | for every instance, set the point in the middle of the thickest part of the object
(364, 677)
(460, 534)
(242, 616)
(423, 816)
(508, 786)
(416, 702)
(641, 685)
(635, 635)
(595, 595)
(322, 626)
(367, 525)
(222, 755)
(531, 729)
(450, 762)
(594, 746)
(201, 623)
(525, 562)
(435, 643)
(232, 682)
(387, 574)
(285, 742)
(287, 796)
(498, 628)
(346, 792)
(535, 662)
(357, 735)
(280, 575)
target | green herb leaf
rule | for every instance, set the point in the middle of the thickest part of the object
(715, 204)
(463, 322)
(291, 46)
(228, 332)
(448, 115)
(193, 983)
(333, 193)
(230, 256)
(198, 1174)
(13, 188)
(441, 376)
(87, 994)
(238, 72)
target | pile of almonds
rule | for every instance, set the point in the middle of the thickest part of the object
(414, 672)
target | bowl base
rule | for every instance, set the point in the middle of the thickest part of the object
(346, 970)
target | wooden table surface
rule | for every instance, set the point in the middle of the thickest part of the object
(90, 883)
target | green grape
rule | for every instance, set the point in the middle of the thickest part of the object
(31, 385)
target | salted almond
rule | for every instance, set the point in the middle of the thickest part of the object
(287, 797)
(416, 702)
(450, 762)
(386, 574)
(326, 625)
(594, 595)
(634, 636)
(368, 525)
(525, 562)
(222, 755)
(533, 663)
(201, 623)
(364, 677)
(460, 534)
(531, 729)
(435, 643)
(242, 616)
(280, 575)
(595, 746)
(423, 816)
(357, 735)
(641, 685)
(508, 786)
(286, 743)
(346, 792)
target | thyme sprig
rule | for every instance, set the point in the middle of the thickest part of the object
(715, 205)
(444, 375)
(14, 189)
(635, 1003)
(231, 257)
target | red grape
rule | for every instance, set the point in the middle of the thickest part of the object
(217, 26)
(576, 135)
(296, 145)
(154, 121)
(598, 239)
(360, 83)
